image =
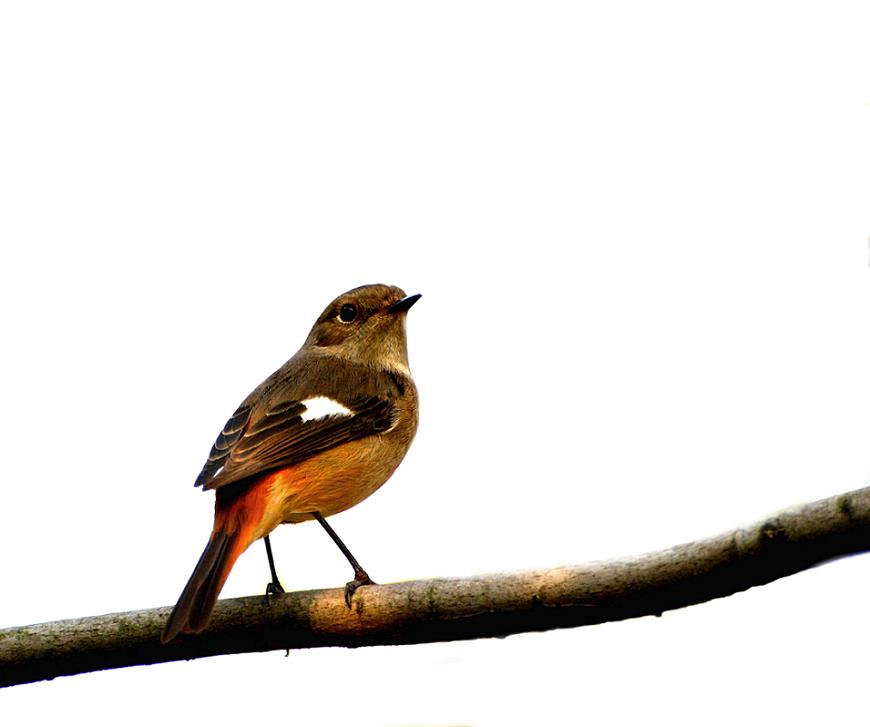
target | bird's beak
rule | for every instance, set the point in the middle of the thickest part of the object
(400, 306)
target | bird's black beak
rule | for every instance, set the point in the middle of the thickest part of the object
(400, 306)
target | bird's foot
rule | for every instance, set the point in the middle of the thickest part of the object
(273, 589)
(360, 578)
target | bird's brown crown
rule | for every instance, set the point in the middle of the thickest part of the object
(365, 324)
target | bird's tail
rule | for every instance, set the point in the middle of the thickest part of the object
(234, 530)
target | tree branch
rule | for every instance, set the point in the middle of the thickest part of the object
(463, 608)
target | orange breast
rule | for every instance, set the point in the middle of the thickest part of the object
(329, 483)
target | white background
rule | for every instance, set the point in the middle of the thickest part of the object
(640, 231)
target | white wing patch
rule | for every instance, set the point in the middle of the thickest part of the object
(320, 407)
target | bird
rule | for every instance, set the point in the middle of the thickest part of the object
(317, 437)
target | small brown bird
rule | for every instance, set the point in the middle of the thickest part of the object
(318, 436)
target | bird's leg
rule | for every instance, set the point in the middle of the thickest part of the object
(274, 586)
(360, 577)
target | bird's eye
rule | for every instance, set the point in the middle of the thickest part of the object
(347, 313)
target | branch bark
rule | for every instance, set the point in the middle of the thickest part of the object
(461, 608)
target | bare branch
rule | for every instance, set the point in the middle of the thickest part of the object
(462, 608)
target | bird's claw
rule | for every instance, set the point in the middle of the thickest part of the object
(360, 578)
(273, 589)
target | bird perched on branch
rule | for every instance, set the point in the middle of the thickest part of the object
(317, 437)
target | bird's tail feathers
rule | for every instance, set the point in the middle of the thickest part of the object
(193, 610)
(237, 523)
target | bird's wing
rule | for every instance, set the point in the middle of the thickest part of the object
(259, 439)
